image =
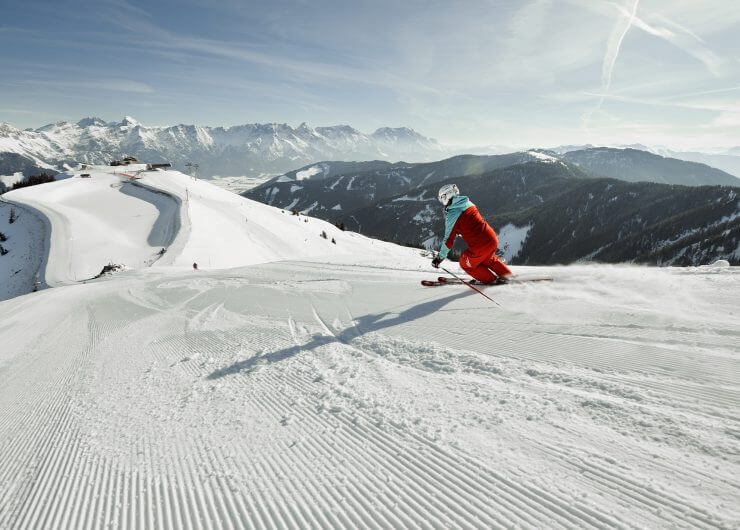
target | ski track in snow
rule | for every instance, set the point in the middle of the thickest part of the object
(307, 394)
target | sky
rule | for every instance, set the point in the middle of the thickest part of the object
(469, 73)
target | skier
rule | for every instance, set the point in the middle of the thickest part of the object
(462, 218)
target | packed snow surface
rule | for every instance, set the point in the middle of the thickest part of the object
(139, 219)
(82, 240)
(330, 389)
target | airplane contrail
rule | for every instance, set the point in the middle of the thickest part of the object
(610, 58)
(607, 67)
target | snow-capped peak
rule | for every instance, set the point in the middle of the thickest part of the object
(404, 136)
(129, 121)
(92, 121)
(398, 133)
(237, 150)
(6, 128)
(338, 130)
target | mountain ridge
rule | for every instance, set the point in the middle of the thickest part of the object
(638, 165)
(246, 149)
(566, 220)
(263, 149)
(397, 202)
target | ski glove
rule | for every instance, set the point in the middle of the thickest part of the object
(436, 262)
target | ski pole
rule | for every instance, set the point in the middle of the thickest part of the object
(471, 286)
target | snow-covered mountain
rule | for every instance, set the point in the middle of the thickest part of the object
(13, 164)
(296, 382)
(334, 189)
(143, 219)
(569, 213)
(727, 160)
(545, 216)
(635, 165)
(240, 150)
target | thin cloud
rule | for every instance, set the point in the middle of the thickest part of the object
(679, 27)
(18, 111)
(610, 58)
(730, 119)
(686, 40)
(612, 50)
(640, 23)
(161, 37)
(693, 45)
(115, 85)
(118, 85)
(704, 92)
(505, 70)
(693, 105)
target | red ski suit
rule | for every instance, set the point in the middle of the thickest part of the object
(479, 259)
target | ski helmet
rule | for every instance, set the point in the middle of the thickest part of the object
(447, 192)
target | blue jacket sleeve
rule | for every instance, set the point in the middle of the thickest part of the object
(451, 217)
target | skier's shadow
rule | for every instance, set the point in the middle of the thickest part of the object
(364, 324)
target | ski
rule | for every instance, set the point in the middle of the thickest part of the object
(432, 283)
(444, 280)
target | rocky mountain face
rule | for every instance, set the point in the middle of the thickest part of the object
(240, 150)
(546, 210)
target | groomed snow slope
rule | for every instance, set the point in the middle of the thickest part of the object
(337, 393)
(93, 222)
(165, 218)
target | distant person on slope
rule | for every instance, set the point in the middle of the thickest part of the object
(462, 218)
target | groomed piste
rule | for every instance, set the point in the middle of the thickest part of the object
(295, 382)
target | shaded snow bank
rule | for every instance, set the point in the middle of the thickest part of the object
(21, 250)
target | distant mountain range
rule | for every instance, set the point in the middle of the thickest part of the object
(635, 165)
(727, 160)
(544, 216)
(550, 206)
(332, 189)
(251, 149)
(546, 208)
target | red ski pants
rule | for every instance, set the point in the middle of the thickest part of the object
(483, 264)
